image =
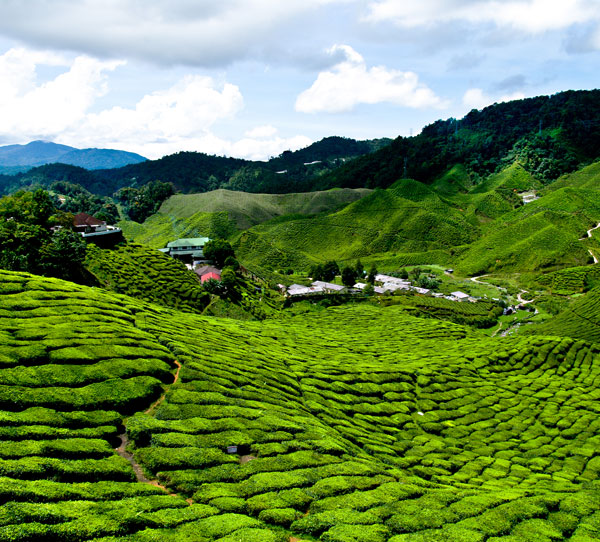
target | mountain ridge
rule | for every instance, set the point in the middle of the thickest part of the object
(39, 152)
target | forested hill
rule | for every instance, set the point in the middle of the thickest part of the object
(548, 135)
(192, 172)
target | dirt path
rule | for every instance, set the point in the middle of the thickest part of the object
(589, 232)
(156, 403)
(524, 301)
(137, 469)
(589, 235)
(476, 279)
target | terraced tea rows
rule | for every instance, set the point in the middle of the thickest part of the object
(147, 274)
(350, 424)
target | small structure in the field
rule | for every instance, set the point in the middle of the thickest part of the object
(460, 296)
(188, 250)
(94, 230)
(422, 291)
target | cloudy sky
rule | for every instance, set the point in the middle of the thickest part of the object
(251, 78)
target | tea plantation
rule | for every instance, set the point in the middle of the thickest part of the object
(359, 423)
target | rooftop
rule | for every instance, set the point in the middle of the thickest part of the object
(189, 242)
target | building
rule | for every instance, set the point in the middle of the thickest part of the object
(188, 250)
(328, 287)
(207, 272)
(460, 296)
(96, 231)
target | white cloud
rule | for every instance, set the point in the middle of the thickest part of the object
(178, 118)
(262, 149)
(530, 16)
(475, 98)
(351, 82)
(27, 107)
(188, 109)
(191, 32)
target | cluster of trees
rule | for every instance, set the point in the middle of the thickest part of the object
(76, 199)
(27, 242)
(350, 274)
(140, 203)
(482, 140)
(221, 253)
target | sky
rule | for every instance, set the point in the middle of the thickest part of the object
(252, 78)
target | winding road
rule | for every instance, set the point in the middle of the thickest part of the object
(589, 235)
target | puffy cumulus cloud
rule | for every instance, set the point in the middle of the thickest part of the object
(531, 16)
(351, 82)
(186, 110)
(181, 117)
(475, 98)
(191, 32)
(28, 108)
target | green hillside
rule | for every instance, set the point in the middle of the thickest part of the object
(485, 141)
(475, 228)
(351, 424)
(145, 273)
(541, 234)
(581, 319)
(222, 213)
(247, 210)
(407, 218)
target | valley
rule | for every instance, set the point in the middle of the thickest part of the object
(140, 402)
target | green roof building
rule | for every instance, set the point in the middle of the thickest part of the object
(187, 249)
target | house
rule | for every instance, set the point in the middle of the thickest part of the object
(187, 250)
(210, 276)
(207, 272)
(84, 223)
(94, 230)
(297, 290)
(328, 287)
(460, 296)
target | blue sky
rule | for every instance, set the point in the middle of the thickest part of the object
(251, 78)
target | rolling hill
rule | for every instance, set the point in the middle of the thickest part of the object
(135, 422)
(474, 227)
(222, 213)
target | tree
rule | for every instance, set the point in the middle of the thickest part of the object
(330, 270)
(316, 272)
(348, 276)
(230, 261)
(360, 270)
(372, 274)
(369, 289)
(26, 241)
(403, 273)
(218, 250)
(63, 256)
(228, 279)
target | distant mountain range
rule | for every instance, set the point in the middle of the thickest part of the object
(20, 158)
(192, 172)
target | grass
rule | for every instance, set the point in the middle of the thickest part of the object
(357, 423)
